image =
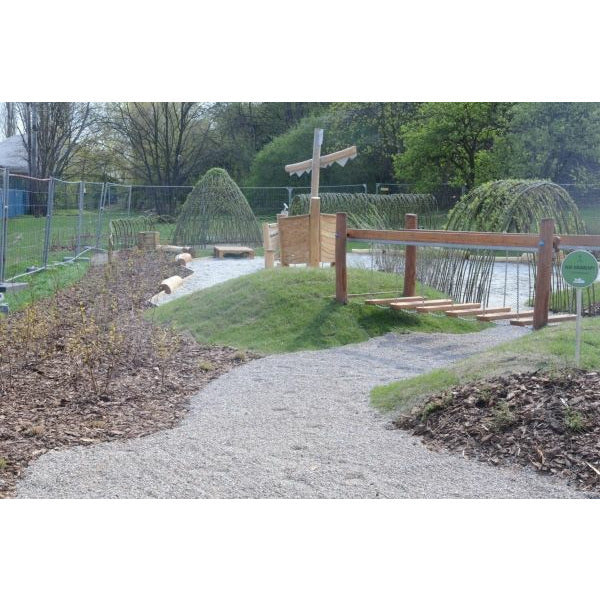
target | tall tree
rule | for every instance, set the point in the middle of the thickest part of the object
(163, 143)
(52, 132)
(9, 119)
(376, 128)
(451, 142)
(553, 140)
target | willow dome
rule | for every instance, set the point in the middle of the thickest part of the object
(216, 211)
(515, 206)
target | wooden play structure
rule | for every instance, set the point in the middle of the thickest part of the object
(306, 239)
(544, 245)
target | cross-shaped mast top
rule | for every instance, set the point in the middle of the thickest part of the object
(318, 162)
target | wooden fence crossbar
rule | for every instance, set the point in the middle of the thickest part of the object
(544, 244)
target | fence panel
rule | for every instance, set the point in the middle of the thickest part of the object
(164, 201)
(267, 201)
(26, 228)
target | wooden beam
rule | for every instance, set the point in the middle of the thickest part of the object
(438, 308)
(386, 301)
(543, 278)
(504, 316)
(314, 232)
(324, 161)
(410, 261)
(341, 277)
(462, 238)
(269, 252)
(551, 319)
(409, 305)
(476, 311)
(573, 242)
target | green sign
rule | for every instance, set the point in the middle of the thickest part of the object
(580, 269)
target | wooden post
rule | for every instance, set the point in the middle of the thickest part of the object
(316, 163)
(341, 278)
(410, 263)
(543, 278)
(269, 252)
(314, 232)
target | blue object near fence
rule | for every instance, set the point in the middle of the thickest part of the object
(17, 203)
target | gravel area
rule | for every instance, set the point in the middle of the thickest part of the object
(210, 271)
(294, 426)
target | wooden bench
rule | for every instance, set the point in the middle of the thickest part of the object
(221, 251)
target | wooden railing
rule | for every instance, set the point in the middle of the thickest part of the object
(543, 244)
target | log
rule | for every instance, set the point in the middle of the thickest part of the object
(170, 284)
(175, 249)
(183, 258)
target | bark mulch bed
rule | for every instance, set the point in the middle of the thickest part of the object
(85, 366)
(548, 422)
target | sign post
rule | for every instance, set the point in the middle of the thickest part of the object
(579, 270)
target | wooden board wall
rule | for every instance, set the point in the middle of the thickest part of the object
(293, 239)
(328, 238)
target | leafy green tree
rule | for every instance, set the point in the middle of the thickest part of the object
(376, 128)
(241, 129)
(452, 142)
(559, 141)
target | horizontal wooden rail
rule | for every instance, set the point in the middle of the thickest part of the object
(579, 242)
(464, 239)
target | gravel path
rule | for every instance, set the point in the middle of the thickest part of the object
(294, 426)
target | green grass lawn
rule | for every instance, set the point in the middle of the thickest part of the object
(45, 283)
(284, 310)
(551, 349)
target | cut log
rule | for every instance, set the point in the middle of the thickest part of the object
(147, 240)
(508, 315)
(183, 258)
(156, 298)
(414, 304)
(175, 249)
(170, 284)
(386, 301)
(551, 319)
(475, 311)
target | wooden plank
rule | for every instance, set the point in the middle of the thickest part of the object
(386, 301)
(410, 261)
(475, 311)
(341, 277)
(466, 305)
(328, 227)
(410, 305)
(551, 319)
(543, 276)
(324, 161)
(428, 309)
(501, 316)
(462, 238)
(293, 239)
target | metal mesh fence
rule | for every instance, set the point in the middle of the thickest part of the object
(45, 220)
(26, 225)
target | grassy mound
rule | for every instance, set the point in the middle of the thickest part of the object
(283, 310)
(549, 349)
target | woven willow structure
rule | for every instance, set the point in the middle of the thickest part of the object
(124, 232)
(511, 206)
(372, 211)
(216, 211)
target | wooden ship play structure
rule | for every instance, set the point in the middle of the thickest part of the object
(306, 239)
